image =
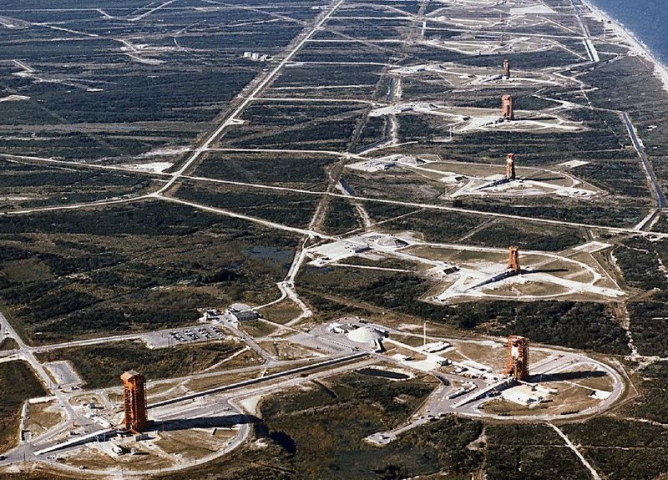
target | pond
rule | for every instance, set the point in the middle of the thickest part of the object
(374, 372)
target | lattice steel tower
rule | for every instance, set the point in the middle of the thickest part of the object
(514, 260)
(510, 166)
(507, 107)
(134, 395)
(518, 357)
(506, 68)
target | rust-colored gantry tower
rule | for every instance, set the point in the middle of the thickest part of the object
(518, 358)
(134, 395)
(506, 68)
(507, 108)
(514, 260)
(510, 166)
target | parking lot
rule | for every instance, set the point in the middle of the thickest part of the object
(197, 334)
(184, 336)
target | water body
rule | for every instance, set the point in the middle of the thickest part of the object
(647, 20)
(277, 254)
(373, 372)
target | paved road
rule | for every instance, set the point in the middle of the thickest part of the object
(266, 223)
(416, 205)
(438, 404)
(24, 353)
(647, 166)
(232, 117)
(424, 206)
(27, 353)
(25, 450)
(260, 380)
(569, 444)
(250, 341)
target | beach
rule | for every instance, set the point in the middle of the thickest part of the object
(637, 47)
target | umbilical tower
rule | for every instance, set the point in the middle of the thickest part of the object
(134, 396)
(518, 358)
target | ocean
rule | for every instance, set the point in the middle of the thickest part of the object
(647, 19)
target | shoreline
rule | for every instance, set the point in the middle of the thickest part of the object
(637, 46)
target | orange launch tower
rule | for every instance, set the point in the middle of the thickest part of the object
(514, 260)
(510, 166)
(518, 358)
(506, 68)
(134, 395)
(507, 108)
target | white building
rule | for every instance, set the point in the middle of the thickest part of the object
(242, 313)
(527, 395)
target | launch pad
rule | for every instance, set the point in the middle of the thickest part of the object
(541, 275)
(504, 380)
(517, 182)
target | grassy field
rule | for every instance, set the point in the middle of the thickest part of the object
(8, 344)
(586, 325)
(139, 267)
(317, 432)
(18, 384)
(101, 366)
(156, 95)
(517, 452)
(304, 171)
(619, 448)
(281, 312)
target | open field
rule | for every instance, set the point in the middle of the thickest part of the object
(18, 384)
(147, 72)
(95, 263)
(178, 361)
(42, 417)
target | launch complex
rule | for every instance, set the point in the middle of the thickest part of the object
(145, 426)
